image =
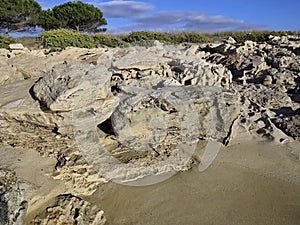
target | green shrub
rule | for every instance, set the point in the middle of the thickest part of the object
(191, 37)
(62, 38)
(5, 41)
(139, 36)
(175, 38)
(108, 40)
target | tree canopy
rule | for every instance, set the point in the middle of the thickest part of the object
(77, 16)
(14, 14)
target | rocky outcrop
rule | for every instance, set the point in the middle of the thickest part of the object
(273, 64)
(177, 62)
(21, 119)
(125, 114)
(273, 71)
(13, 205)
(24, 124)
(152, 132)
(20, 64)
(88, 89)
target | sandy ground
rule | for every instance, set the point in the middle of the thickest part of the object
(34, 173)
(250, 183)
(247, 184)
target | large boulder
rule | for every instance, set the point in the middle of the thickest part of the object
(62, 88)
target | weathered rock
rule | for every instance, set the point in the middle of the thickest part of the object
(22, 122)
(257, 117)
(4, 53)
(141, 59)
(231, 40)
(175, 62)
(211, 104)
(13, 205)
(288, 121)
(70, 209)
(149, 125)
(36, 63)
(79, 177)
(59, 89)
(8, 73)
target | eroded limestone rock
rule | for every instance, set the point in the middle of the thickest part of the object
(8, 73)
(175, 62)
(59, 89)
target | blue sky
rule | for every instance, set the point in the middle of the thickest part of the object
(196, 15)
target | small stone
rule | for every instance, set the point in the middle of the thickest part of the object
(16, 46)
(230, 40)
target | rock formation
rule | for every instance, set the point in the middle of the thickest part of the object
(134, 112)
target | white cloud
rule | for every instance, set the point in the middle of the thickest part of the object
(183, 21)
(117, 9)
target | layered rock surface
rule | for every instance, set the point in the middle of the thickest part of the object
(134, 112)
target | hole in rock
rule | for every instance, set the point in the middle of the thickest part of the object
(55, 130)
(107, 127)
(188, 82)
(115, 89)
(76, 214)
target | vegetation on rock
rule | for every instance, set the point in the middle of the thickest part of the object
(62, 38)
(108, 40)
(5, 41)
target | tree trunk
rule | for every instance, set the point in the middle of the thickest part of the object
(77, 28)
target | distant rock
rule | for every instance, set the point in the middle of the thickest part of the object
(16, 46)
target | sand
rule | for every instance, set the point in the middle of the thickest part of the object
(250, 183)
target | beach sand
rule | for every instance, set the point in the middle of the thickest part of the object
(249, 183)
